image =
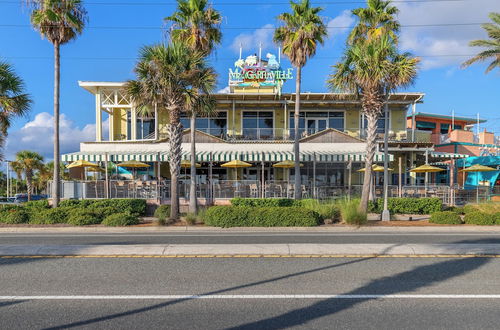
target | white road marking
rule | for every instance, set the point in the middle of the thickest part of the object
(248, 235)
(257, 296)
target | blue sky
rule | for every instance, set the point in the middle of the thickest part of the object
(118, 28)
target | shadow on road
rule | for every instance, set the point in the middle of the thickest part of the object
(408, 281)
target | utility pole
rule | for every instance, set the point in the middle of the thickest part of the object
(386, 215)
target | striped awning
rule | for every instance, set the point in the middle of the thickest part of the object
(447, 155)
(225, 156)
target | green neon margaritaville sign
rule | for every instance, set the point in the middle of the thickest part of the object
(266, 75)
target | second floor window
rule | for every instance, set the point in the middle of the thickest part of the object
(311, 122)
(380, 123)
(216, 126)
(258, 124)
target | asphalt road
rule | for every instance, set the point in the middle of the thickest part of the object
(260, 293)
(252, 238)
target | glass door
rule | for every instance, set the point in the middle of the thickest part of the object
(315, 125)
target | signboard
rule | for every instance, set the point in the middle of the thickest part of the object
(257, 73)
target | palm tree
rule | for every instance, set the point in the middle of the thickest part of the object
(198, 26)
(27, 162)
(14, 101)
(60, 21)
(375, 20)
(371, 69)
(165, 76)
(492, 45)
(299, 36)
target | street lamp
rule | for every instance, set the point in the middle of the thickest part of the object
(386, 215)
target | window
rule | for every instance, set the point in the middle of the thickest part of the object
(145, 128)
(444, 128)
(216, 125)
(258, 124)
(311, 122)
(380, 123)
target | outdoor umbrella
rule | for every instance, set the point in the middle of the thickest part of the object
(287, 164)
(82, 164)
(236, 164)
(427, 169)
(478, 168)
(133, 164)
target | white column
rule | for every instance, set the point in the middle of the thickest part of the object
(156, 123)
(98, 117)
(413, 122)
(111, 124)
(133, 124)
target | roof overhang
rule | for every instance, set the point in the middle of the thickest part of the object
(93, 86)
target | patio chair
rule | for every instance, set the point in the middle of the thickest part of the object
(254, 190)
(305, 192)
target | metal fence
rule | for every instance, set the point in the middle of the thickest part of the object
(227, 189)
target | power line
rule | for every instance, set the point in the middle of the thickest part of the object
(108, 3)
(104, 27)
(215, 59)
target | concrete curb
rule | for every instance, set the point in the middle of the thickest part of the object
(252, 250)
(199, 229)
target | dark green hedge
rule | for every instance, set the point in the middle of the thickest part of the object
(265, 202)
(407, 205)
(50, 216)
(162, 212)
(481, 218)
(243, 216)
(133, 206)
(445, 218)
(121, 219)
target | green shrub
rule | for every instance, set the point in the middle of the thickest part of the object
(265, 202)
(104, 212)
(326, 209)
(469, 208)
(242, 216)
(480, 218)
(41, 204)
(445, 218)
(50, 216)
(162, 212)
(497, 218)
(349, 212)
(407, 205)
(121, 219)
(191, 218)
(15, 216)
(133, 206)
(83, 217)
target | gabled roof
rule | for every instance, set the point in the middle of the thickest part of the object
(334, 135)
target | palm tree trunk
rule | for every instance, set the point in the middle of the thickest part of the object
(57, 79)
(296, 148)
(29, 186)
(192, 188)
(175, 140)
(371, 135)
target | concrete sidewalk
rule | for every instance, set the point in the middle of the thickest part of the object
(253, 250)
(197, 229)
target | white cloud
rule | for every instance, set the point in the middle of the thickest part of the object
(224, 90)
(434, 43)
(37, 135)
(251, 41)
(340, 24)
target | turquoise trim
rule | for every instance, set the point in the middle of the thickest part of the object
(466, 144)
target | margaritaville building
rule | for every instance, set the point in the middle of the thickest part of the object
(254, 124)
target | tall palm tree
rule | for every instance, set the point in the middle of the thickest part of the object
(376, 19)
(371, 69)
(27, 162)
(60, 21)
(197, 25)
(14, 101)
(492, 44)
(299, 36)
(165, 76)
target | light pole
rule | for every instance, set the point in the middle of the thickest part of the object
(386, 215)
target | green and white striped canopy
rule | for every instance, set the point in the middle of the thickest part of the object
(224, 156)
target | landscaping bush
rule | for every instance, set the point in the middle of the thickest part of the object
(162, 212)
(242, 216)
(50, 216)
(265, 202)
(133, 206)
(480, 218)
(407, 205)
(350, 214)
(191, 218)
(83, 217)
(14, 216)
(327, 209)
(445, 218)
(121, 219)
(41, 204)
(104, 212)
